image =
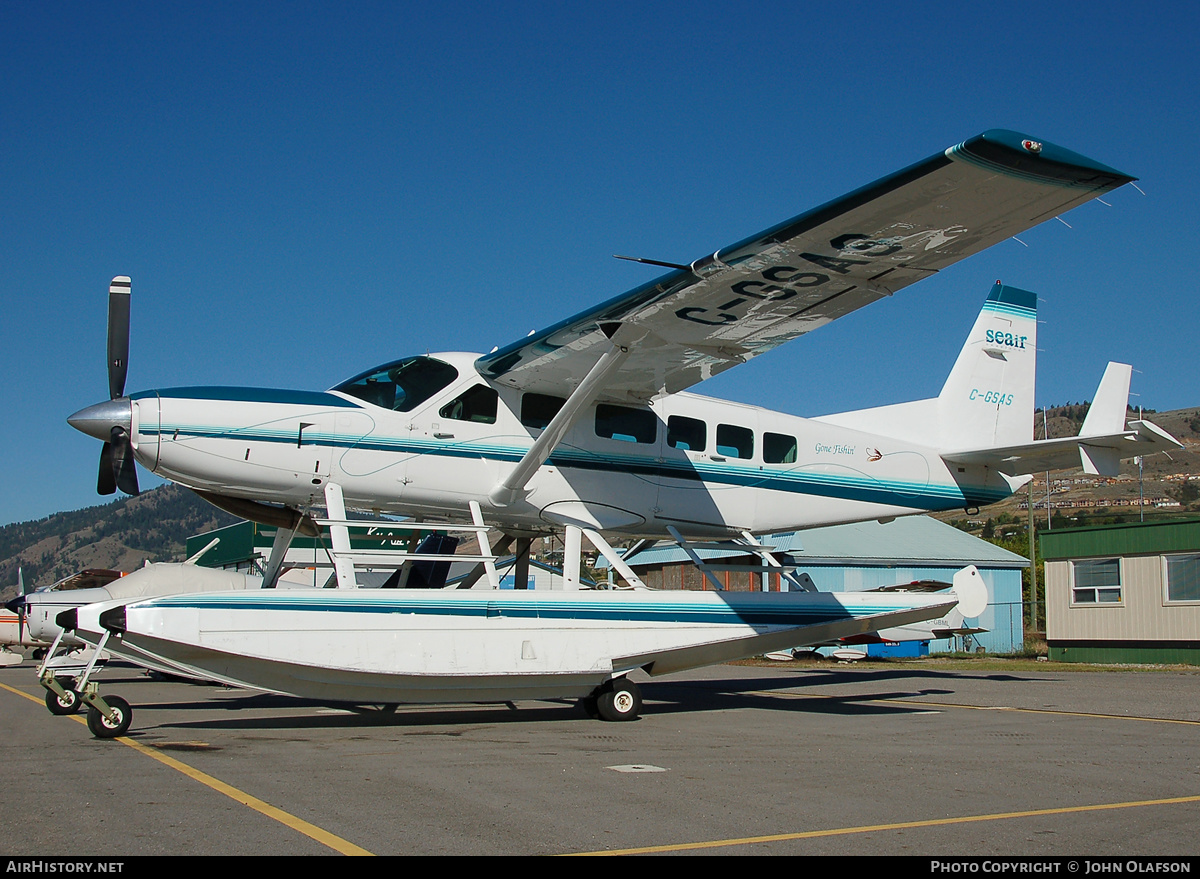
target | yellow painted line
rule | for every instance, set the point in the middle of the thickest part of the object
(263, 808)
(873, 828)
(1046, 711)
(917, 702)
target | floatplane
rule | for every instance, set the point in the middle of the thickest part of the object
(588, 429)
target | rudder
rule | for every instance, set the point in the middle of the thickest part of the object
(988, 398)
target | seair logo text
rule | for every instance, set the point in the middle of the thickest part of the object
(1007, 339)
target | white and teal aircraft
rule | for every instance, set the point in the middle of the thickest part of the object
(589, 428)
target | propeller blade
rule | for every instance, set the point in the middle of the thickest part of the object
(118, 336)
(124, 467)
(106, 481)
(127, 479)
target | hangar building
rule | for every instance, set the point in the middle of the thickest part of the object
(864, 555)
(867, 555)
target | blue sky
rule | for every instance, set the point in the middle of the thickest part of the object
(302, 190)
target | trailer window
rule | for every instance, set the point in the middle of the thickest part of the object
(1097, 581)
(1182, 577)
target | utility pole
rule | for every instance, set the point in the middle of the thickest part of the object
(1046, 435)
(1033, 583)
(1141, 496)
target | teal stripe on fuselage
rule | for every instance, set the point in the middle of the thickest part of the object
(832, 485)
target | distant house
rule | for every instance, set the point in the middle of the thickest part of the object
(1124, 593)
(867, 555)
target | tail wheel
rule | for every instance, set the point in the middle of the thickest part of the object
(621, 700)
(66, 704)
(102, 727)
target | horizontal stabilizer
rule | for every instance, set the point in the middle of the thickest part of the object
(1142, 438)
(967, 587)
(914, 586)
(1103, 442)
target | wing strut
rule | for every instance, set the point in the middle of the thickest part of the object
(511, 489)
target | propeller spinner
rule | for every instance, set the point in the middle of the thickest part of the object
(112, 422)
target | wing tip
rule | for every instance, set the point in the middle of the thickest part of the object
(1020, 153)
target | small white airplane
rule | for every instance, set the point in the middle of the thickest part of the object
(587, 428)
(70, 658)
(27, 620)
(13, 629)
(38, 608)
(953, 624)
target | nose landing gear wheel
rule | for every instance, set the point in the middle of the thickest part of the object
(63, 705)
(620, 700)
(102, 727)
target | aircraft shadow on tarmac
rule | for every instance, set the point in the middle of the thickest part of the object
(793, 693)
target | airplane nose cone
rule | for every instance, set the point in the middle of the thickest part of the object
(99, 420)
(14, 605)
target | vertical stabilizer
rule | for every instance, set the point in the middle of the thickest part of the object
(1107, 413)
(1106, 416)
(988, 398)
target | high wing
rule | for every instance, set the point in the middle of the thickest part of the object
(724, 309)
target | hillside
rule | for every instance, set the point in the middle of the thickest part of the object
(120, 535)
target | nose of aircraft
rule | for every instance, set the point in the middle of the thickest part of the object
(16, 604)
(99, 420)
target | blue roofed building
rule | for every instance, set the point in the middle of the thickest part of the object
(867, 555)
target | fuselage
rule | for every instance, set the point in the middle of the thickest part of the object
(442, 436)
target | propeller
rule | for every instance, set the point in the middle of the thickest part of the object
(21, 609)
(17, 606)
(117, 469)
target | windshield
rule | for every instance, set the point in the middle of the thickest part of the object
(401, 386)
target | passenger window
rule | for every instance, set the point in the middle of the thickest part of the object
(779, 448)
(628, 425)
(686, 433)
(538, 410)
(735, 442)
(478, 404)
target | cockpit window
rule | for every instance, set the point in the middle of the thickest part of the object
(401, 386)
